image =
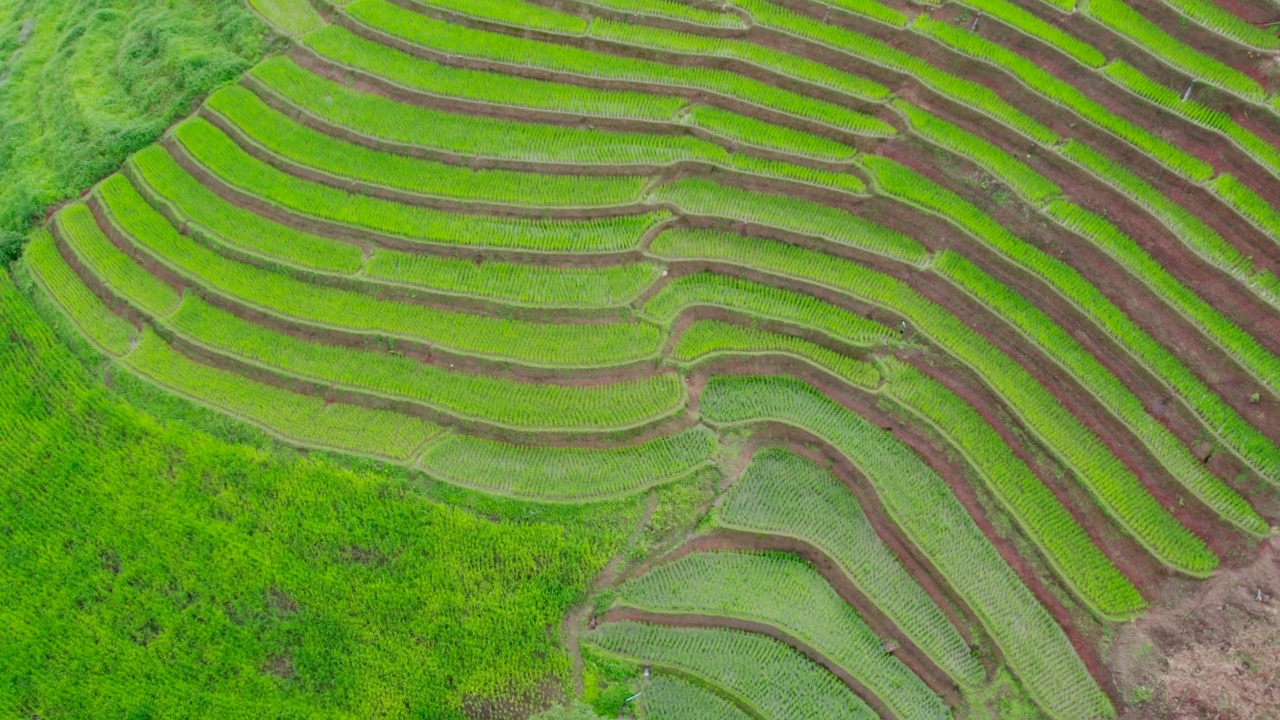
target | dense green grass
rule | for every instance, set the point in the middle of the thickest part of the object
(155, 571)
(83, 85)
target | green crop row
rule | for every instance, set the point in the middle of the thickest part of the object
(669, 698)
(1223, 22)
(1082, 566)
(1130, 24)
(1110, 481)
(1028, 183)
(1031, 25)
(513, 13)
(488, 399)
(752, 165)
(96, 321)
(379, 117)
(453, 39)
(119, 272)
(1183, 223)
(929, 515)
(783, 494)
(166, 179)
(1234, 430)
(566, 474)
(785, 592)
(767, 58)
(1128, 77)
(300, 418)
(1064, 94)
(555, 344)
(293, 17)
(901, 182)
(974, 94)
(212, 148)
(765, 302)
(1248, 203)
(750, 131)
(1191, 230)
(769, 677)
(673, 10)
(698, 196)
(283, 136)
(516, 283)
(341, 46)
(869, 9)
(709, 338)
(1092, 375)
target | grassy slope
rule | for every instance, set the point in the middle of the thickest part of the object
(154, 570)
(84, 83)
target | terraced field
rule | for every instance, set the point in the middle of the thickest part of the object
(971, 309)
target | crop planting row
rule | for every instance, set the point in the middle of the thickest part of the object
(1191, 230)
(202, 210)
(783, 494)
(1253, 447)
(1109, 480)
(279, 134)
(213, 149)
(710, 338)
(566, 474)
(496, 400)
(77, 227)
(699, 196)
(906, 184)
(1064, 94)
(670, 698)
(763, 674)
(1131, 79)
(1031, 25)
(766, 302)
(1248, 203)
(1106, 387)
(785, 592)
(95, 320)
(338, 45)
(300, 418)
(673, 10)
(466, 135)
(923, 506)
(167, 180)
(1085, 569)
(544, 344)
(1130, 24)
(455, 40)
(1223, 22)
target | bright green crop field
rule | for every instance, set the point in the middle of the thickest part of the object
(645, 359)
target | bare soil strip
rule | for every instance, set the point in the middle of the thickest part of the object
(695, 620)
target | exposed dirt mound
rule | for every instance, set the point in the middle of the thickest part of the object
(1211, 651)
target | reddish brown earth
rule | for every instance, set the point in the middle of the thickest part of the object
(1210, 650)
(693, 620)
